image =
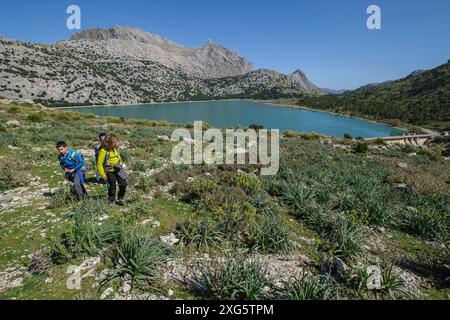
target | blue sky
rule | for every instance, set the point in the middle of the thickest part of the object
(328, 39)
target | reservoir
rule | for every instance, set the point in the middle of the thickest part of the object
(233, 113)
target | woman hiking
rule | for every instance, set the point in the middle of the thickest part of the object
(110, 168)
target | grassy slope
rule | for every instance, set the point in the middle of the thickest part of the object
(314, 177)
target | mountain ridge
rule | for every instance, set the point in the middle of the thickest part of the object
(208, 61)
(118, 69)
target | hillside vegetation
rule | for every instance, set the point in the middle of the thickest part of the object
(335, 208)
(421, 99)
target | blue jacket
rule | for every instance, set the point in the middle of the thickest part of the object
(72, 160)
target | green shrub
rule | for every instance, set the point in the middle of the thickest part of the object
(310, 288)
(13, 173)
(380, 142)
(138, 165)
(61, 198)
(36, 117)
(145, 184)
(169, 175)
(235, 219)
(202, 186)
(348, 136)
(361, 147)
(13, 110)
(138, 256)
(203, 194)
(248, 183)
(233, 278)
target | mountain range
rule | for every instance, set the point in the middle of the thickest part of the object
(124, 65)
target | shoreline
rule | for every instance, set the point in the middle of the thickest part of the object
(149, 103)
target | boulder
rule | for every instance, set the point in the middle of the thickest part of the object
(13, 123)
(339, 265)
(169, 239)
(163, 138)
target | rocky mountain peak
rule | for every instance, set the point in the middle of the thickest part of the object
(298, 77)
(209, 61)
(298, 74)
(120, 33)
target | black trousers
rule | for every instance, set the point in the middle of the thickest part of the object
(113, 179)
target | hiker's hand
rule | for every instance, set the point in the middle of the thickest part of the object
(69, 171)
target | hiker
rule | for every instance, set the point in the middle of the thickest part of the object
(101, 137)
(73, 165)
(110, 168)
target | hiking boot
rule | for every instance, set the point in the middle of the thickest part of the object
(112, 202)
(120, 202)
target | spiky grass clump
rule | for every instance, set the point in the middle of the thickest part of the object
(138, 256)
(264, 205)
(201, 234)
(428, 223)
(311, 287)
(233, 278)
(341, 230)
(144, 184)
(87, 235)
(390, 285)
(297, 197)
(270, 235)
(345, 233)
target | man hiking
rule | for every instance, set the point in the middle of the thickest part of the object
(73, 165)
(110, 168)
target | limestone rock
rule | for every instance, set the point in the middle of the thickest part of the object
(13, 123)
(169, 239)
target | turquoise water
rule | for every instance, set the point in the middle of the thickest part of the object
(229, 114)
